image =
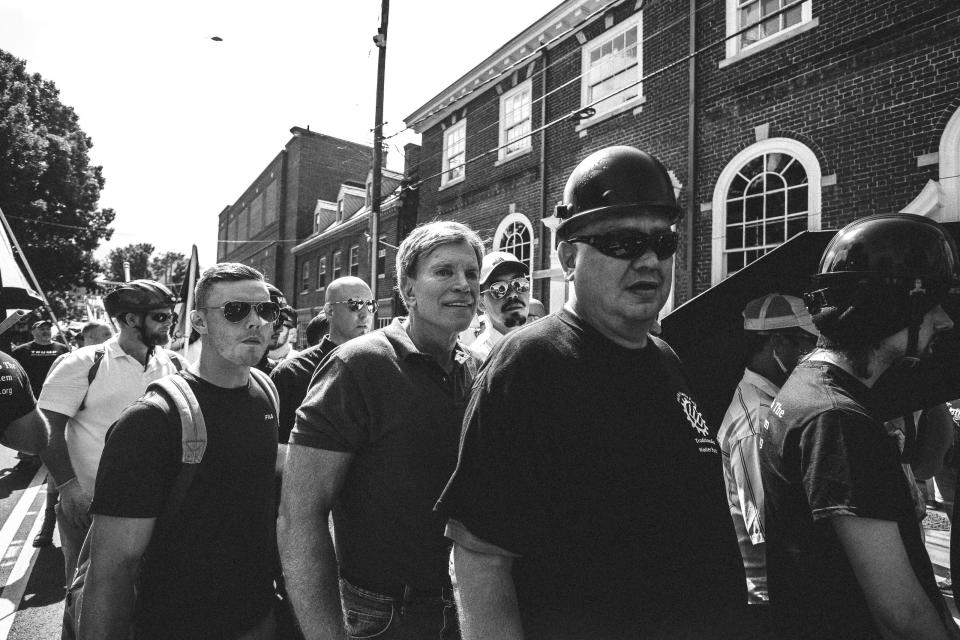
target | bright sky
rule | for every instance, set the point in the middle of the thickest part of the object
(182, 124)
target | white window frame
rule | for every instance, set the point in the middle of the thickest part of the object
(337, 269)
(802, 153)
(458, 129)
(382, 254)
(322, 271)
(736, 51)
(354, 269)
(523, 145)
(305, 277)
(500, 235)
(949, 161)
(634, 22)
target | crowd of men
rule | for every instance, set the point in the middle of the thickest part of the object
(554, 478)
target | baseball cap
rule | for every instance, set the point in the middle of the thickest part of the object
(775, 311)
(41, 323)
(498, 261)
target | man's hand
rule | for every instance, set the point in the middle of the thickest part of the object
(75, 502)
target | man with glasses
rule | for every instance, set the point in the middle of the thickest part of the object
(374, 442)
(280, 346)
(504, 299)
(205, 571)
(780, 331)
(588, 500)
(88, 389)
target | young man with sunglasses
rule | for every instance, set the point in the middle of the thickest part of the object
(504, 299)
(80, 409)
(350, 308)
(779, 332)
(588, 500)
(374, 442)
(207, 570)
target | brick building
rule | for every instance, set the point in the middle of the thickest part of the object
(276, 211)
(788, 116)
(339, 243)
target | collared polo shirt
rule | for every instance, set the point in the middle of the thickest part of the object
(399, 413)
(120, 380)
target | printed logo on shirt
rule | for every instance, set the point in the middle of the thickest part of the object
(268, 416)
(705, 443)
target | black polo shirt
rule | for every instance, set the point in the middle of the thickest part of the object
(399, 413)
(292, 377)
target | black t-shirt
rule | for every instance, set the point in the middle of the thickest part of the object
(594, 464)
(209, 573)
(292, 377)
(37, 360)
(824, 455)
(16, 395)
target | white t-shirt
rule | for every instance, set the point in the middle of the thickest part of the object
(119, 382)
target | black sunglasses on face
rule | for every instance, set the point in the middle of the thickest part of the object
(500, 289)
(629, 245)
(355, 304)
(162, 316)
(238, 311)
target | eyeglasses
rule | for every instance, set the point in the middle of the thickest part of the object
(162, 317)
(355, 304)
(629, 245)
(502, 288)
(237, 312)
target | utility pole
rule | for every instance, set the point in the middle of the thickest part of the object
(381, 41)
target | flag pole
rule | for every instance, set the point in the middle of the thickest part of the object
(19, 252)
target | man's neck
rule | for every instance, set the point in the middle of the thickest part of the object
(335, 338)
(133, 346)
(875, 366)
(630, 337)
(764, 365)
(439, 347)
(218, 371)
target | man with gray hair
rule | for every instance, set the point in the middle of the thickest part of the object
(374, 442)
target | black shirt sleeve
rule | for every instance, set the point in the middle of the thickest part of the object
(139, 463)
(16, 394)
(334, 415)
(850, 466)
(284, 378)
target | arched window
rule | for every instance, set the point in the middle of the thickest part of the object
(950, 169)
(768, 193)
(515, 235)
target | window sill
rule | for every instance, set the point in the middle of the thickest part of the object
(452, 183)
(513, 156)
(772, 41)
(635, 105)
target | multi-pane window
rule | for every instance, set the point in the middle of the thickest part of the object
(517, 240)
(270, 204)
(305, 277)
(762, 19)
(766, 204)
(454, 153)
(515, 120)
(355, 260)
(382, 258)
(337, 264)
(321, 273)
(612, 67)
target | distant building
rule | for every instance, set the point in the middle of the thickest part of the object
(276, 211)
(790, 116)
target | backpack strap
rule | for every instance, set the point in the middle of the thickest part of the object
(92, 373)
(193, 427)
(175, 359)
(266, 384)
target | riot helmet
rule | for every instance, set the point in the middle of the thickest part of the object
(616, 180)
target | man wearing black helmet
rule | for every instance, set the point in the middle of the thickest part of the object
(88, 389)
(845, 556)
(583, 442)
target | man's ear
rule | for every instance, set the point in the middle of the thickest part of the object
(567, 252)
(199, 322)
(406, 288)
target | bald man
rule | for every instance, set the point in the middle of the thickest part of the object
(350, 307)
(535, 310)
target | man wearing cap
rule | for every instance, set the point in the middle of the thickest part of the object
(37, 356)
(89, 388)
(504, 299)
(279, 347)
(587, 501)
(780, 331)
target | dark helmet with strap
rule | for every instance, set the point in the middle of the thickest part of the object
(276, 295)
(879, 275)
(138, 296)
(616, 180)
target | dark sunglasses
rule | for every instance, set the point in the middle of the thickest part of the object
(355, 304)
(162, 316)
(500, 289)
(238, 311)
(629, 245)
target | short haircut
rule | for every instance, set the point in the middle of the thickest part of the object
(223, 272)
(428, 237)
(318, 327)
(92, 326)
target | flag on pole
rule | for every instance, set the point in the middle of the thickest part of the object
(182, 330)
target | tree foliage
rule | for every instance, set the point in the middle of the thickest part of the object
(139, 257)
(175, 261)
(49, 191)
